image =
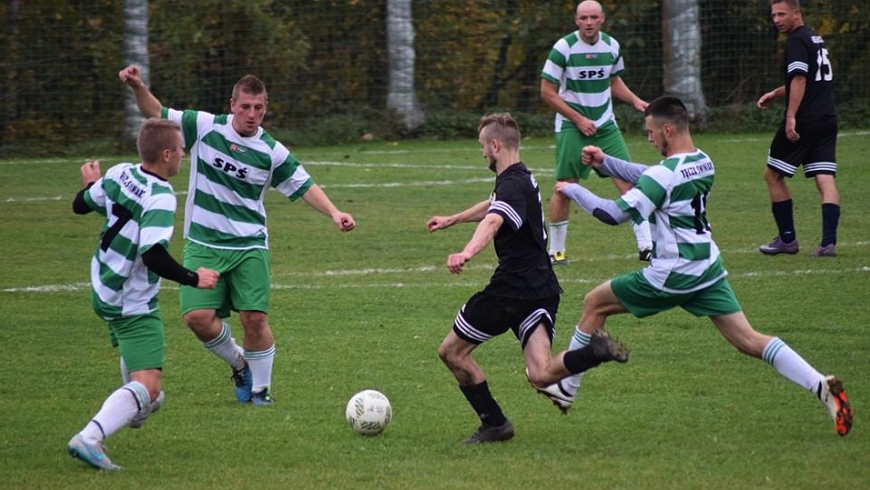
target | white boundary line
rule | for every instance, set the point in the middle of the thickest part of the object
(82, 286)
(471, 148)
(360, 185)
(362, 165)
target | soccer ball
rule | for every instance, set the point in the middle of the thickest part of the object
(368, 412)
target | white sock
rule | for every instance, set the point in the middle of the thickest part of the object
(572, 383)
(117, 411)
(558, 233)
(152, 407)
(791, 365)
(225, 347)
(642, 234)
(260, 363)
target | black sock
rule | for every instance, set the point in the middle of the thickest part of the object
(580, 360)
(783, 214)
(484, 404)
(830, 221)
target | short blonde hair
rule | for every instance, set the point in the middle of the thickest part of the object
(156, 135)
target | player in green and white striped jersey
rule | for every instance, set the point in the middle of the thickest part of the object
(140, 211)
(578, 81)
(139, 206)
(686, 270)
(234, 162)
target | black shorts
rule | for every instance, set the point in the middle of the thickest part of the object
(484, 317)
(816, 150)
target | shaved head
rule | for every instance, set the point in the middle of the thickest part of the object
(590, 6)
(588, 19)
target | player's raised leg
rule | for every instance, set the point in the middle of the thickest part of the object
(546, 379)
(598, 304)
(774, 351)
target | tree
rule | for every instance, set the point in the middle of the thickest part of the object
(682, 56)
(135, 52)
(402, 96)
(13, 56)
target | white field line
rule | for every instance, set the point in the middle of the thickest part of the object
(33, 199)
(552, 146)
(358, 185)
(328, 163)
(418, 282)
(397, 151)
(426, 183)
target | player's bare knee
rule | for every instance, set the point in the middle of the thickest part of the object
(203, 323)
(452, 357)
(445, 355)
(538, 376)
(254, 320)
(150, 379)
(154, 392)
(591, 305)
(772, 176)
(198, 319)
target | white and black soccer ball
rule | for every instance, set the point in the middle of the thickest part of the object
(369, 412)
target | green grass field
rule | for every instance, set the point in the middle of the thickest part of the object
(369, 309)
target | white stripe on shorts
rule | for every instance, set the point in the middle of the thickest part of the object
(820, 167)
(469, 331)
(532, 321)
(781, 165)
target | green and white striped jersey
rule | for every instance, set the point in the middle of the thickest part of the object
(673, 195)
(582, 72)
(140, 212)
(229, 177)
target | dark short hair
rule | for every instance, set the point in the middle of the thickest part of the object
(669, 109)
(500, 126)
(156, 135)
(792, 4)
(249, 84)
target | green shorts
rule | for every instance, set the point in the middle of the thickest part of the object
(569, 148)
(244, 284)
(140, 340)
(642, 299)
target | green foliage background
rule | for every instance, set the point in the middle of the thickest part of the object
(325, 62)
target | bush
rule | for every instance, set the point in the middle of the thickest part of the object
(358, 124)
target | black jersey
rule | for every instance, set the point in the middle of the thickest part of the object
(805, 54)
(524, 269)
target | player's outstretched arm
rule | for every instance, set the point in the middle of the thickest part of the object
(472, 214)
(612, 166)
(90, 171)
(158, 260)
(317, 199)
(436, 223)
(767, 100)
(604, 210)
(483, 235)
(145, 100)
(592, 155)
(622, 169)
